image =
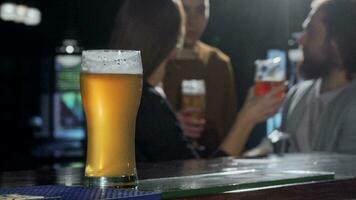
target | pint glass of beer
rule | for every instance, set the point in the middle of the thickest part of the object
(269, 74)
(111, 84)
(193, 97)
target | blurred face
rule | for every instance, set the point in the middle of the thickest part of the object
(319, 54)
(197, 13)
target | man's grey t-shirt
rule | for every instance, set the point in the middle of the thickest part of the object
(314, 103)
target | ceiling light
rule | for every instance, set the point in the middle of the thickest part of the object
(21, 12)
(8, 11)
(33, 17)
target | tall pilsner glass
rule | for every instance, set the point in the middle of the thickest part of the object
(111, 84)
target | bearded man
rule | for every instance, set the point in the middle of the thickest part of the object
(320, 113)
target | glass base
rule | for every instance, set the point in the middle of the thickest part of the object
(116, 182)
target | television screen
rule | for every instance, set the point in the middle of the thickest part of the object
(68, 117)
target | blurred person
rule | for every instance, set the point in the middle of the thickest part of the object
(320, 113)
(156, 28)
(198, 60)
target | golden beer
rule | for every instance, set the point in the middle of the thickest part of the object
(193, 98)
(111, 102)
(195, 102)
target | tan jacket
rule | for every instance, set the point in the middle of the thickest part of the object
(215, 68)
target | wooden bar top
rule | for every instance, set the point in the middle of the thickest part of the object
(342, 186)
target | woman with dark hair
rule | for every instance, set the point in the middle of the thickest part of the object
(156, 28)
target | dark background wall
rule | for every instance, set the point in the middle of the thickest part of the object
(244, 29)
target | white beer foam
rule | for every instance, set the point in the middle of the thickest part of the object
(193, 87)
(270, 70)
(111, 62)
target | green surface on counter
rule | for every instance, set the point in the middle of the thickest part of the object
(215, 183)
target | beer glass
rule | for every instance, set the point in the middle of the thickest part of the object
(269, 74)
(111, 84)
(193, 98)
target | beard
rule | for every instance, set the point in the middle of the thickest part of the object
(318, 66)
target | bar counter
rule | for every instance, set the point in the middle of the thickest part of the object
(311, 176)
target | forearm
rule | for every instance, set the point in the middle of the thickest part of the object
(255, 110)
(235, 141)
